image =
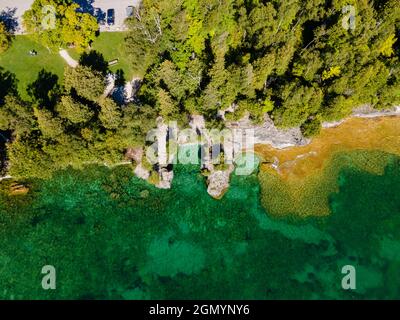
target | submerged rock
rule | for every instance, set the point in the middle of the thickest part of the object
(244, 136)
(218, 182)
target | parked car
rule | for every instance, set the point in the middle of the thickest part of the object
(129, 11)
(110, 17)
(100, 16)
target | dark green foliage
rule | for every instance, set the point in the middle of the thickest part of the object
(45, 90)
(8, 84)
(206, 55)
(311, 127)
(293, 60)
(68, 126)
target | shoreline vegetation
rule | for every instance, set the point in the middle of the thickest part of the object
(221, 63)
(366, 129)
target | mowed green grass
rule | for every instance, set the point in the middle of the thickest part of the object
(26, 68)
(112, 46)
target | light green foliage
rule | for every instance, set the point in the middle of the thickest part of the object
(74, 111)
(166, 105)
(84, 82)
(50, 126)
(387, 46)
(15, 115)
(110, 114)
(330, 73)
(60, 26)
(5, 38)
(28, 160)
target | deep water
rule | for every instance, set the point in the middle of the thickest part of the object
(111, 236)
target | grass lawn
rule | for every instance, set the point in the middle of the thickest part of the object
(111, 45)
(26, 68)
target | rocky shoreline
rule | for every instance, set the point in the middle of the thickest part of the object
(365, 112)
(218, 179)
(265, 133)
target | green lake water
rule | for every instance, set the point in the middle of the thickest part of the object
(112, 236)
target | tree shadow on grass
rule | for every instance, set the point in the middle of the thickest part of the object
(8, 84)
(94, 60)
(120, 78)
(45, 90)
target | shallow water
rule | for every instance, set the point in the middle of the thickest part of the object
(110, 235)
(307, 175)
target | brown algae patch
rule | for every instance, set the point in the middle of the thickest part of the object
(300, 179)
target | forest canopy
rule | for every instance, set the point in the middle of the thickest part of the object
(58, 23)
(298, 60)
(301, 61)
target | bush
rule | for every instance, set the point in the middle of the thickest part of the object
(5, 38)
(311, 127)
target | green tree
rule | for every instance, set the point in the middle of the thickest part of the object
(110, 114)
(16, 115)
(167, 106)
(50, 126)
(311, 127)
(57, 24)
(27, 159)
(298, 103)
(5, 38)
(85, 82)
(74, 111)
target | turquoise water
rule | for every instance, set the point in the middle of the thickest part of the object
(112, 236)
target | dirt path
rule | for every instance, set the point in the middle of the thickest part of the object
(71, 62)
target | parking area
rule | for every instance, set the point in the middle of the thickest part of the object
(11, 12)
(111, 14)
